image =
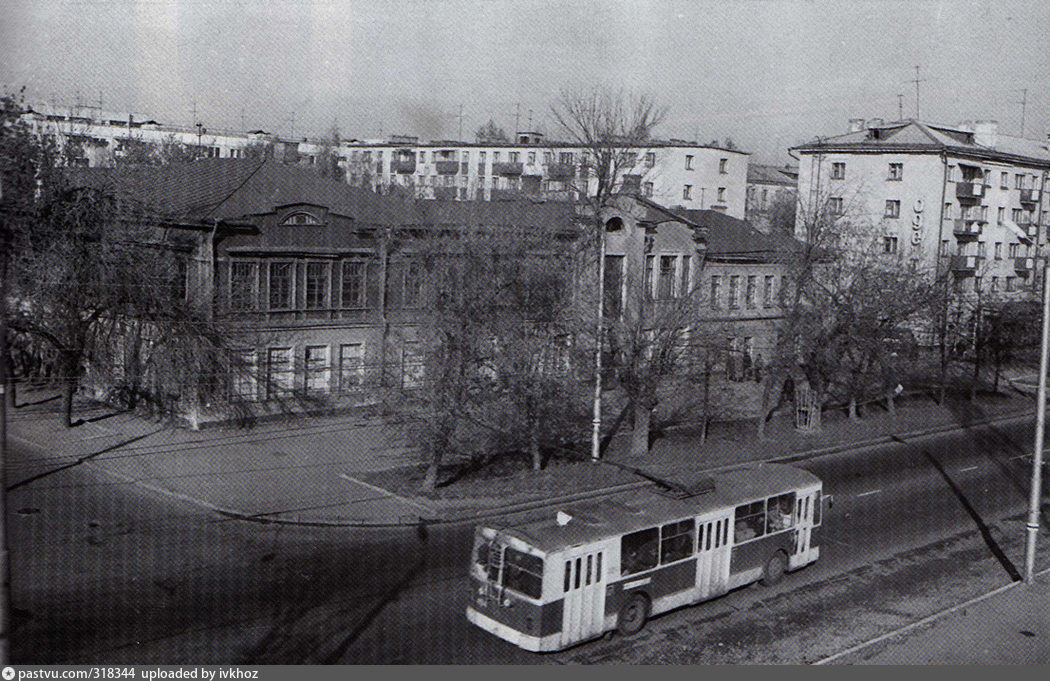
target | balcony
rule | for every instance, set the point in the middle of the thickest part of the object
(507, 168)
(967, 228)
(561, 171)
(1030, 196)
(447, 167)
(1024, 265)
(965, 264)
(405, 166)
(969, 191)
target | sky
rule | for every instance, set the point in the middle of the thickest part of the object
(766, 73)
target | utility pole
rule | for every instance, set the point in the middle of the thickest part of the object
(900, 107)
(1035, 491)
(460, 138)
(917, 80)
(517, 119)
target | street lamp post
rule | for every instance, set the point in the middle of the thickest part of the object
(1035, 492)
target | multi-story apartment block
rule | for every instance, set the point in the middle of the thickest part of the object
(670, 172)
(965, 199)
(771, 196)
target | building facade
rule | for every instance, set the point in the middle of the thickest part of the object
(965, 199)
(772, 194)
(670, 172)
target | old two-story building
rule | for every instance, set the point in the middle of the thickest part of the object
(317, 279)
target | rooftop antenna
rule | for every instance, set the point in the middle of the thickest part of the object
(1023, 103)
(460, 116)
(243, 128)
(900, 107)
(917, 80)
(517, 118)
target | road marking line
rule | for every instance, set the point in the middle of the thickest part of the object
(388, 493)
(874, 491)
(968, 468)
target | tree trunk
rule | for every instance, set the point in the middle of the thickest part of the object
(69, 386)
(534, 445)
(853, 416)
(640, 434)
(891, 406)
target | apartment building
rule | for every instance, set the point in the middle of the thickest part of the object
(771, 196)
(669, 172)
(964, 198)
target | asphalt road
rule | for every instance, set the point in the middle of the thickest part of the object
(106, 573)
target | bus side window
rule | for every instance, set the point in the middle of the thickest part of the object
(588, 579)
(725, 532)
(816, 508)
(638, 551)
(576, 581)
(598, 568)
(677, 540)
(568, 575)
(779, 512)
(750, 521)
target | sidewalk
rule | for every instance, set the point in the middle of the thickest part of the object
(1010, 626)
(343, 470)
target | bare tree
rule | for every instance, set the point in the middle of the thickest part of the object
(490, 132)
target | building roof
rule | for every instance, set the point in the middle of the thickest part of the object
(781, 175)
(727, 238)
(236, 190)
(918, 136)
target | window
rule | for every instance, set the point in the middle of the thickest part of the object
(1015, 214)
(722, 166)
(749, 294)
(242, 369)
(780, 512)
(944, 247)
(1013, 250)
(1000, 215)
(279, 373)
(316, 285)
(242, 285)
(716, 282)
(835, 205)
(1010, 284)
(413, 284)
(638, 551)
(767, 291)
(982, 249)
(951, 173)
(532, 158)
(317, 370)
(683, 287)
(1018, 181)
(948, 211)
(893, 208)
(998, 253)
(977, 284)
(565, 158)
(613, 286)
(630, 159)
(750, 521)
(896, 172)
(515, 157)
(523, 572)
(354, 284)
(411, 365)
(687, 192)
(688, 162)
(665, 286)
(721, 194)
(1004, 180)
(351, 366)
(647, 189)
(889, 244)
(995, 284)
(495, 157)
(281, 285)
(650, 159)
(301, 219)
(838, 171)
(734, 291)
(676, 540)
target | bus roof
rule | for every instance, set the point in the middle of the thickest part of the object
(645, 507)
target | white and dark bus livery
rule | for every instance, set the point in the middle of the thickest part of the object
(595, 567)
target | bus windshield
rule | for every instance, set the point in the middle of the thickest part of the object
(523, 572)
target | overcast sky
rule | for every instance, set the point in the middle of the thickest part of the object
(767, 73)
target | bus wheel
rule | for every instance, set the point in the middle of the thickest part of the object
(633, 615)
(774, 569)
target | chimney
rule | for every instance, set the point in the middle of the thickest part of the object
(985, 133)
(856, 124)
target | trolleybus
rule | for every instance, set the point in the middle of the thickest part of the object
(594, 567)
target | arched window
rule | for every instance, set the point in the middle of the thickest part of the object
(301, 218)
(614, 225)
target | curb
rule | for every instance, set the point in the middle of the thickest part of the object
(235, 514)
(924, 621)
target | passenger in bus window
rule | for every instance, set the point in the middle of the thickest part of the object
(780, 508)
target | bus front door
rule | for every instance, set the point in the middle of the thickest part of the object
(713, 554)
(583, 612)
(805, 552)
